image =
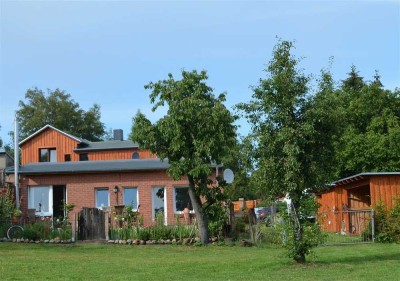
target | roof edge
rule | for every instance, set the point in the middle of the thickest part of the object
(366, 174)
(48, 126)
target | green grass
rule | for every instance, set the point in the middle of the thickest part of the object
(117, 262)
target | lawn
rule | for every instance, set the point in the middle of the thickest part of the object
(117, 262)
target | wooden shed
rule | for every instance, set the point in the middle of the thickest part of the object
(349, 197)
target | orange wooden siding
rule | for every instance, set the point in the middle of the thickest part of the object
(118, 154)
(384, 188)
(48, 139)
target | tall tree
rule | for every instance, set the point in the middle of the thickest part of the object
(58, 109)
(197, 131)
(354, 81)
(1, 141)
(287, 140)
(370, 129)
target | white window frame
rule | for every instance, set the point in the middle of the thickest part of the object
(174, 200)
(30, 194)
(137, 196)
(95, 197)
(153, 201)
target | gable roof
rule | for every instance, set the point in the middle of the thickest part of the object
(91, 166)
(53, 128)
(88, 145)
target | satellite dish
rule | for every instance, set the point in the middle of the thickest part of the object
(228, 176)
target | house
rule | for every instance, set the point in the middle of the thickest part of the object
(57, 168)
(5, 161)
(349, 200)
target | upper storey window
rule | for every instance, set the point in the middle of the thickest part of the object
(83, 157)
(47, 155)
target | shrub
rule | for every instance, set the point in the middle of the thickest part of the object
(387, 222)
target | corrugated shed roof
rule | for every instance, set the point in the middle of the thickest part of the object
(362, 176)
(91, 166)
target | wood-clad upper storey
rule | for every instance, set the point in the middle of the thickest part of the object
(121, 154)
(48, 138)
(69, 148)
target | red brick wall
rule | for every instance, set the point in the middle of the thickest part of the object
(81, 189)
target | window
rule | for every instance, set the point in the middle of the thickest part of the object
(158, 200)
(102, 198)
(40, 198)
(135, 155)
(131, 197)
(47, 155)
(67, 157)
(83, 157)
(182, 199)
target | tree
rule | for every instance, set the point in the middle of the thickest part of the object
(1, 141)
(197, 131)
(354, 82)
(287, 139)
(58, 109)
(370, 130)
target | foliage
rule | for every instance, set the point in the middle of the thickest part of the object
(368, 131)
(59, 110)
(7, 205)
(288, 152)
(217, 220)
(197, 131)
(387, 222)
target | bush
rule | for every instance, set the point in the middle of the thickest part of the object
(31, 234)
(387, 222)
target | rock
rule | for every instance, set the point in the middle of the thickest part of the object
(18, 240)
(46, 241)
(37, 242)
(116, 241)
(22, 240)
(14, 240)
(185, 241)
(51, 241)
(168, 241)
(26, 241)
(110, 241)
(214, 239)
(142, 242)
(245, 243)
(197, 240)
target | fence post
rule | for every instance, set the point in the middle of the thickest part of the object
(373, 225)
(73, 227)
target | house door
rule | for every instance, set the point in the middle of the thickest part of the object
(58, 201)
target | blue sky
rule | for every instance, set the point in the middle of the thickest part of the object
(105, 51)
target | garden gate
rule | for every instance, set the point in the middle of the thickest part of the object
(91, 224)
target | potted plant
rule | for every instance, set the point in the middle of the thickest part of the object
(16, 215)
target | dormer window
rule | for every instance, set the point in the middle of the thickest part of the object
(135, 155)
(47, 155)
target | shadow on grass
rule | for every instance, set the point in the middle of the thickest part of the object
(356, 259)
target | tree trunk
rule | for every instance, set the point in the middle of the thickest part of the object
(201, 216)
(299, 255)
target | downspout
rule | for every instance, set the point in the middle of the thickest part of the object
(16, 163)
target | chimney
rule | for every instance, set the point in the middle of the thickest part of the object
(118, 134)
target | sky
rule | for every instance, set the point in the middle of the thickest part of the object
(104, 52)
